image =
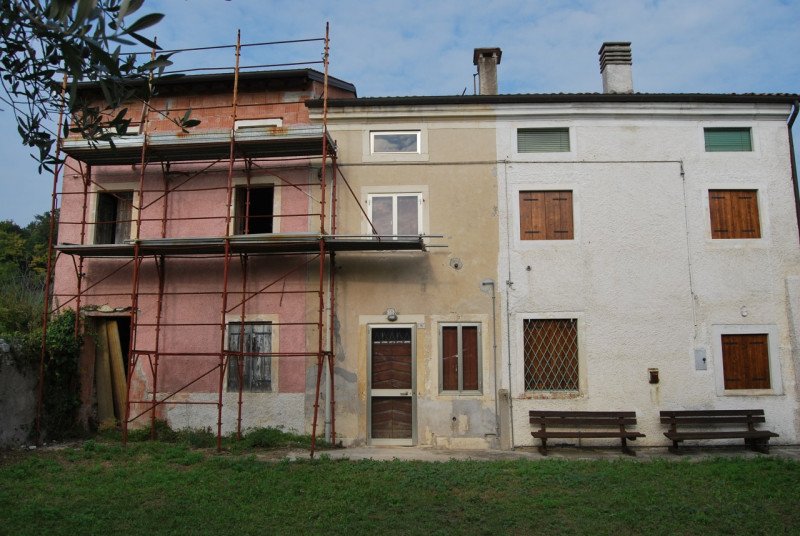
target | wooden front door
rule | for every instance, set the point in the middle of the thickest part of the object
(391, 381)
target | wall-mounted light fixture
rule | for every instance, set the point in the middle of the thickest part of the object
(391, 315)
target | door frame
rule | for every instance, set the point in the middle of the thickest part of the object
(413, 395)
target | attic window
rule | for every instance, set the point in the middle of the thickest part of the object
(394, 142)
(243, 124)
(728, 140)
(543, 140)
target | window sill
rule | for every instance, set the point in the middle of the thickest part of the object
(551, 395)
(460, 393)
(751, 392)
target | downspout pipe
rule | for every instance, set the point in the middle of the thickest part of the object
(790, 124)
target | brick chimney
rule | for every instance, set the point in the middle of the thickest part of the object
(615, 66)
(487, 60)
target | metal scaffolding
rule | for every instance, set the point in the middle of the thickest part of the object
(147, 258)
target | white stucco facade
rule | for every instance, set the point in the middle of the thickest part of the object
(648, 285)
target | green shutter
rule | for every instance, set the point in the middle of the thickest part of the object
(728, 139)
(543, 140)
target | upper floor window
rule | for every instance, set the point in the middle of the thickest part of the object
(543, 140)
(396, 213)
(254, 209)
(395, 142)
(545, 215)
(728, 139)
(734, 213)
(113, 217)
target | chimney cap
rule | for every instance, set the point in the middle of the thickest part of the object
(618, 52)
(486, 52)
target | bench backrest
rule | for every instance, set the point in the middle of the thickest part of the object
(713, 417)
(582, 418)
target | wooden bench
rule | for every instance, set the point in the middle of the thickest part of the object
(584, 425)
(705, 424)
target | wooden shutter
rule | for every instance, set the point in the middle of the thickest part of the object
(558, 210)
(532, 216)
(546, 215)
(543, 140)
(734, 213)
(449, 358)
(745, 361)
(469, 358)
(728, 139)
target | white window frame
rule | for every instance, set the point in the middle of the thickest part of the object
(460, 390)
(771, 330)
(112, 188)
(257, 182)
(374, 133)
(394, 195)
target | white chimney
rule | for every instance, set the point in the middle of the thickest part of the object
(615, 66)
(487, 60)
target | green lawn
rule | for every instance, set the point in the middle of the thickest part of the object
(161, 488)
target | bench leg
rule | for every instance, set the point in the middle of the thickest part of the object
(543, 447)
(758, 445)
(627, 450)
(674, 448)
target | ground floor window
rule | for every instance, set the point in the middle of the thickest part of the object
(745, 361)
(551, 354)
(254, 341)
(460, 357)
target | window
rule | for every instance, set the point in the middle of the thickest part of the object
(734, 213)
(545, 215)
(543, 140)
(551, 354)
(394, 142)
(396, 214)
(745, 361)
(113, 221)
(460, 357)
(727, 139)
(256, 369)
(254, 209)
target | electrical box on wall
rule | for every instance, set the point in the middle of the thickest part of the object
(700, 361)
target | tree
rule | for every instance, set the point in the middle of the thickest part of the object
(40, 43)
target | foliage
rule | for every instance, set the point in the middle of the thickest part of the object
(23, 262)
(61, 377)
(159, 488)
(40, 43)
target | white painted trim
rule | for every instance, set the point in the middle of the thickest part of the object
(421, 155)
(257, 181)
(763, 216)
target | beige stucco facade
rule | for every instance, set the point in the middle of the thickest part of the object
(454, 173)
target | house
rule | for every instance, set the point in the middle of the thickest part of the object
(190, 254)
(426, 270)
(610, 251)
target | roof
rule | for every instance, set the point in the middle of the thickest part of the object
(244, 76)
(542, 98)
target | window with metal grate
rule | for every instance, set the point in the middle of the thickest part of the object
(551, 354)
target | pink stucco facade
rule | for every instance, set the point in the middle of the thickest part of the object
(192, 330)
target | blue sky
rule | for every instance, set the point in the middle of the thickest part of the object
(395, 47)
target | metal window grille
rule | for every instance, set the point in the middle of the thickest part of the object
(551, 355)
(257, 363)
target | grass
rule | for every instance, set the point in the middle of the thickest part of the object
(166, 488)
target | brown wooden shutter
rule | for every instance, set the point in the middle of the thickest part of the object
(745, 361)
(734, 213)
(469, 357)
(559, 215)
(719, 206)
(532, 216)
(450, 358)
(745, 213)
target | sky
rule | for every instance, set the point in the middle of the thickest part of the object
(400, 47)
